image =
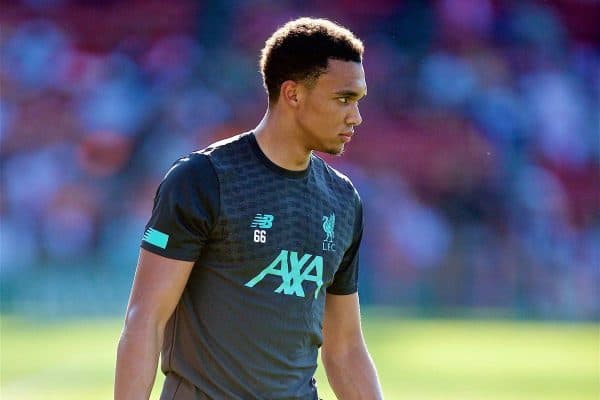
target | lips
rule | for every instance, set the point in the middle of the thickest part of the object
(346, 136)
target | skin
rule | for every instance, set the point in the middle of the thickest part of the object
(350, 370)
(305, 118)
(157, 287)
(313, 117)
(317, 117)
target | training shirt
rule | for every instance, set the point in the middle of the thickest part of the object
(267, 244)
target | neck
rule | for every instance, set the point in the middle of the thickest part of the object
(281, 141)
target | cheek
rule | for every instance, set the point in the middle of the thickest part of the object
(312, 114)
(324, 113)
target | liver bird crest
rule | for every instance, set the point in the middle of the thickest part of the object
(328, 226)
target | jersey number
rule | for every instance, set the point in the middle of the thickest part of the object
(260, 236)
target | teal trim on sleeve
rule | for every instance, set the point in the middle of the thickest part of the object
(156, 238)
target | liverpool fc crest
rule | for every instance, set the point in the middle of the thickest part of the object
(328, 227)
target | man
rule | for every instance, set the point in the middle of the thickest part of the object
(249, 261)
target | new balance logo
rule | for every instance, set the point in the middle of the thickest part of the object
(156, 237)
(262, 221)
(288, 266)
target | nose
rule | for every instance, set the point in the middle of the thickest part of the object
(354, 118)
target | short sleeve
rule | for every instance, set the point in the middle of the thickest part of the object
(345, 280)
(186, 208)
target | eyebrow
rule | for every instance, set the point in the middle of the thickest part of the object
(350, 93)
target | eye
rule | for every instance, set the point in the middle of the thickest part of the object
(343, 100)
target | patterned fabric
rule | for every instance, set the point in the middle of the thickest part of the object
(267, 244)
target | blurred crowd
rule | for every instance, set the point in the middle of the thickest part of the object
(477, 161)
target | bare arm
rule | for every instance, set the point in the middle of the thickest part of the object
(350, 370)
(156, 290)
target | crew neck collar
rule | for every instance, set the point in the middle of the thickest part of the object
(270, 164)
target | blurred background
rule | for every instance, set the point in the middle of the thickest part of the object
(478, 162)
(478, 158)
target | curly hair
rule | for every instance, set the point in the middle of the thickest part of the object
(301, 49)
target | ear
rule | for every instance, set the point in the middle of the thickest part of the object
(289, 93)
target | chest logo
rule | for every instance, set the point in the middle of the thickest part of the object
(288, 266)
(328, 227)
(262, 222)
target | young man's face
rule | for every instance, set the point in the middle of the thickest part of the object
(328, 111)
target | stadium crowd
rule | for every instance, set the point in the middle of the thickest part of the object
(478, 159)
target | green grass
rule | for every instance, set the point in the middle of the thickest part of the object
(417, 359)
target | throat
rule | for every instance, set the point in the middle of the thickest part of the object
(283, 151)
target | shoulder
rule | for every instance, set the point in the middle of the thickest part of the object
(191, 183)
(229, 155)
(195, 166)
(336, 178)
(228, 144)
(201, 163)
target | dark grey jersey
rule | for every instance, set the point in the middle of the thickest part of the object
(268, 244)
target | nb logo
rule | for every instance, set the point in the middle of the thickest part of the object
(262, 221)
(288, 267)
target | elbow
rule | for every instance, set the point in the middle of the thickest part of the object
(333, 357)
(141, 328)
(330, 363)
(341, 354)
(137, 318)
(140, 319)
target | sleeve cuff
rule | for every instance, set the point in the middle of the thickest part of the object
(174, 254)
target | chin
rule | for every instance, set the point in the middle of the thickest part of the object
(337, 151)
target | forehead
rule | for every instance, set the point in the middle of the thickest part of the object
(343, 76)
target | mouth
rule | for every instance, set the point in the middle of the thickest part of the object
(346, 136)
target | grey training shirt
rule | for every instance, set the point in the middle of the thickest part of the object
(267, 244)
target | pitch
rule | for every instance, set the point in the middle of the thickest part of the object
(417, 359)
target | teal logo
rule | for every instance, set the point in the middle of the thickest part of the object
(292, 271)
(262, 221)
(156, 238)
(328, 227)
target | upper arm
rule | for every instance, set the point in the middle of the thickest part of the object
(185, 210)
(341, 323)
(345, 281)
(157, 288)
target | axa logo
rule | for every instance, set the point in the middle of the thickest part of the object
(328, 227)
(293, 271)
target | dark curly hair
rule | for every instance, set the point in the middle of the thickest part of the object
(300, 51)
